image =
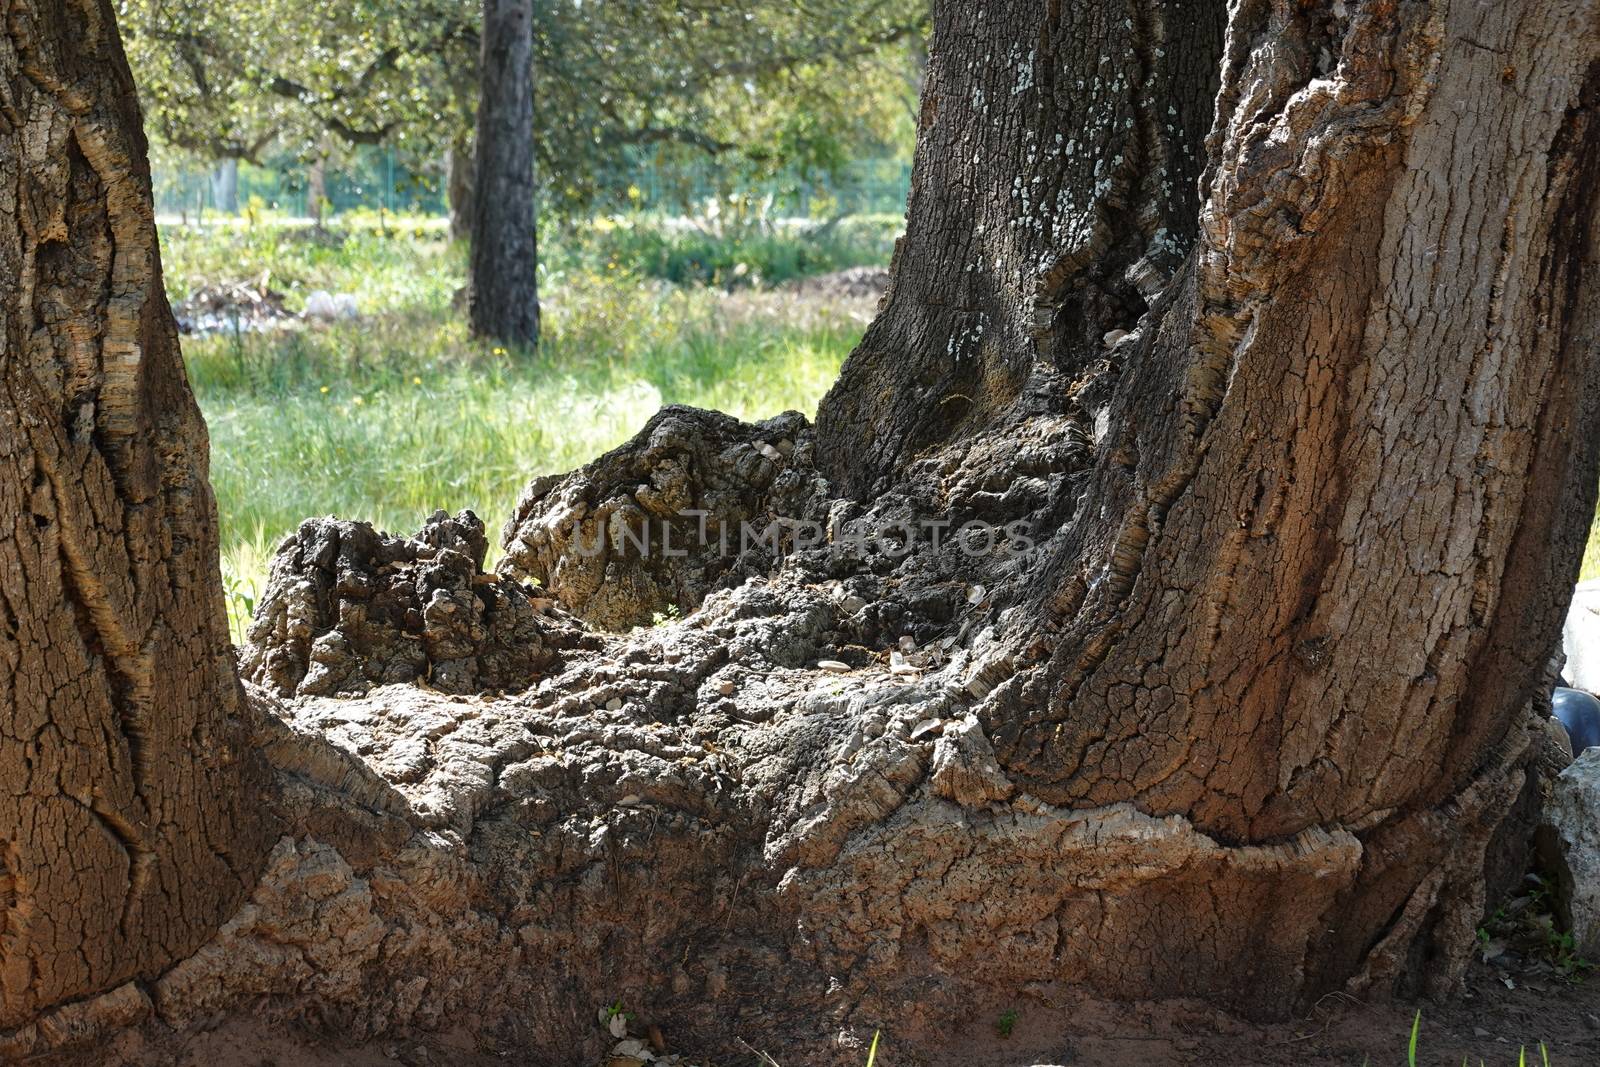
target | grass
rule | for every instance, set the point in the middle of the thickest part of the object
(399, 413)
(1591, 555)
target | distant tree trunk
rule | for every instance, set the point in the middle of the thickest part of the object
(127, 826)
(503, 286)
(317, 190)
(460, 177)
(225, 186)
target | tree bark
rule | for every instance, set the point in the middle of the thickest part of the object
(1340, 481)
(503, 285)
(127, 833)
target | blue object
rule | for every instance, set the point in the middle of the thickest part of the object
(1580, 714)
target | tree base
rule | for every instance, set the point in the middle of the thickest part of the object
(698, 822)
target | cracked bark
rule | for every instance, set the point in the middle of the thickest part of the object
(1283, 352)
(128, 835)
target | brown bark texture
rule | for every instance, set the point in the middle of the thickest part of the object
(1264, 336)
(503, 279)
(126, 830)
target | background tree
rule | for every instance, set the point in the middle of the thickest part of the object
(503, 278)
(755, 86)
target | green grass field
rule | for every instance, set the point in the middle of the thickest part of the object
(398, 413)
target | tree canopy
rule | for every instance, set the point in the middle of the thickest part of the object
(759, 86)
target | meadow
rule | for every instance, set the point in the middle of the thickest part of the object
(398, 412)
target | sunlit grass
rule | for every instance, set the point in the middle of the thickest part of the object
(399, 413)
(1591, 555)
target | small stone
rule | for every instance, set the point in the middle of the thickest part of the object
(727, 687)
(976, 594)
(908, 643)
(632, 1049)
(768, 451)
(1569, 844)
(898, 664)
(632, 800)
(614, 704)
(1113, 336)
(926, 727)
(833, 666)
(850, 605)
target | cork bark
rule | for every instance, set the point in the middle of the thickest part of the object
(126, 832)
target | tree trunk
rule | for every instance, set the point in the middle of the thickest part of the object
(127, 833)
(1340, 480)
(225, 186)
(503, 284)
(1259, 341)
(317, 190)
(460, 178)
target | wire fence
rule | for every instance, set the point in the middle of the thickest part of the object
(377, 180)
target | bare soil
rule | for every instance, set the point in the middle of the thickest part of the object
(1491, 1022)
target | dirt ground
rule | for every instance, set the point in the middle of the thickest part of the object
(1491, 1023)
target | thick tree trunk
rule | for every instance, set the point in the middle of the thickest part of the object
(127, 832)
(1271, 330)
(1341, 479)
(503, 285)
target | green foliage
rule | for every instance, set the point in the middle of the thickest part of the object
(1007, 1022)
(393, 264)
(763, 88)
(872, 1053)
(1528, 925)
(1591, 554)
(400, 413)
(730, 256)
